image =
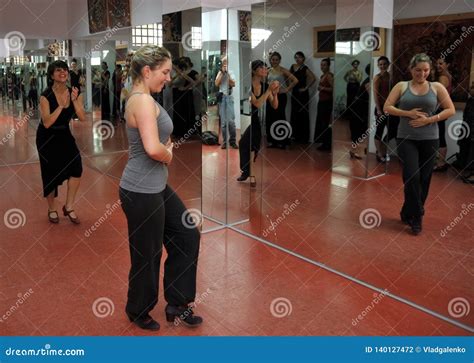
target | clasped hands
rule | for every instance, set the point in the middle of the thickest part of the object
(274, 87)
(63, 100)
(418, 118)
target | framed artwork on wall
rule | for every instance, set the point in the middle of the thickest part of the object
(107, 14)
(97, 11)
(172, 27)
(449, 37)
(245, 25)
(118, 12)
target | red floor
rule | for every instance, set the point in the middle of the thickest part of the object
(69, 267)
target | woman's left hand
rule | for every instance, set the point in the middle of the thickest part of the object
(420, 122)
(74, 94)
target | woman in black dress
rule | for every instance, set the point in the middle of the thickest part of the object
(58, 153)
(105, 93)
(300, 98)
(260, 94)
(183, 103)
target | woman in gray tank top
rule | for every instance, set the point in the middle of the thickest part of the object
(417, 135)
(155, 214)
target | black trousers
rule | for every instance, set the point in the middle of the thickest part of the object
(323, 131)
(154, 220)
(249, 141)
(418, 158)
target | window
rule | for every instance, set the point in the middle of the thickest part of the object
(196, 37)
(147, 34)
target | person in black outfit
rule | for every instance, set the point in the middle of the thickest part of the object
(59, 156)
(323, 130)
(183, 103)
(74, 75)
(359, 115)
(260, 93)
(104, 93)
(300, 99)
(117, 82)
(75, 78)
(33, 93)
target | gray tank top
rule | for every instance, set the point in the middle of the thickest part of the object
(142, 174)
(428, 103)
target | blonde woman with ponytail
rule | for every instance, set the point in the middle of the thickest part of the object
(155, 214)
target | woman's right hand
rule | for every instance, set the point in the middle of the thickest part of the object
(416, 113)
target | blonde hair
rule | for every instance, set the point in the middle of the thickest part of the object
(148, 55)
(420, 57)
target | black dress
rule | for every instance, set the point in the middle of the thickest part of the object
(105, 98)
(359, 112)
(58, 153)
(252, 136)
(183, 107)
(300, 106)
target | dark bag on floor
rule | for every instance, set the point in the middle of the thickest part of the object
(210, 138)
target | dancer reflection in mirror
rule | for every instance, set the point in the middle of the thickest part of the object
(260, 93)
(418, 134)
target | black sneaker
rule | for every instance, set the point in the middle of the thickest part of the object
(185, 314)
(224, 146)
(233, 145)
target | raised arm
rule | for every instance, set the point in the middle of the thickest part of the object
(260, 101)
(50, 118)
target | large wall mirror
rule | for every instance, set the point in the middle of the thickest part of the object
(327, 175)
(183, 98)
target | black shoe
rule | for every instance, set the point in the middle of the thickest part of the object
(185, 314)
(243, 177)
(415, 224)
(224, 146)
(147, 323)
(233, 145)
(324, 148)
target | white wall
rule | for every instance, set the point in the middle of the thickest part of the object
(34, 19)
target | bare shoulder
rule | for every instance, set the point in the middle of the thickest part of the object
(437, 85)
(403, 85)
(141, 105)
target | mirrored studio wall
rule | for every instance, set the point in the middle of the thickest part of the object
(226, 56)
(100, 65)
(319, 156)
(183, 99)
